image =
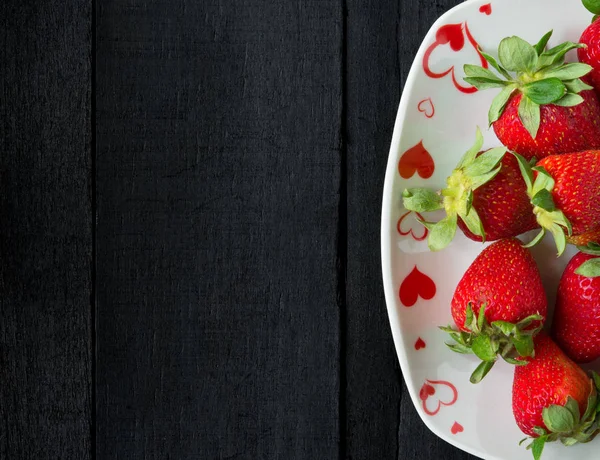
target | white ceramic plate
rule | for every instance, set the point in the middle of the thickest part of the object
(435, 125)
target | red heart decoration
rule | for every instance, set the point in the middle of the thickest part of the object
(428, 390)
(426, 107)
(416, 159)
(407, 226)
(453, 35)
(457, 428)
(420, 344)
(486, 9)
(416, 285)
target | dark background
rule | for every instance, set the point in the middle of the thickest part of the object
(189, 229)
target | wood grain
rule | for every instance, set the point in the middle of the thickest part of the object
(45, 230)
(382, 40)
(218, 181)
(373, 91)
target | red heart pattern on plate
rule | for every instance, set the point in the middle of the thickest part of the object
(454, 36)
(426, 107)
(486, 9)
(420, 344)
(457, 428)
(416, 160)
(409, 225)
(415, 285)
(435, 394)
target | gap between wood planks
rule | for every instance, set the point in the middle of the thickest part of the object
(342, 247)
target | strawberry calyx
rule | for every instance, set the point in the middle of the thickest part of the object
(593, 6)
(565, 423)
(540, 75)
(488, 340)
(591, 267)
(456, 198)
(548, 216)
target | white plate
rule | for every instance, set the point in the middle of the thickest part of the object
(436, 124)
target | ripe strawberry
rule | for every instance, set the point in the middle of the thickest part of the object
(498, 306)
(553, 398)
(485, 196)
(564, 190)
(545, 108)
(576, 325)
(590, 53)
(585, 239)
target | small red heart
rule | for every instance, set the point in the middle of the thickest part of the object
(420, 344)
(452, 34)
(416, 285)
(426, 391)
(416, 159)
(426, 107)
(449, 395)
(457, 428)
(407, 226)
(486, 9)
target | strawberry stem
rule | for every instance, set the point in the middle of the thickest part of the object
(549, 217)
(488, 341)
(541, 76)
(472, 171)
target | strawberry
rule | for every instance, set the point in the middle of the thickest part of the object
(590, 53)
(498, 306)
(565, 191)
(585, 239)
(553, 398)
(485, 197)
(545, 108)
(576, 325)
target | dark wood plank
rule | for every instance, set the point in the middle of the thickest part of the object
(218, 126)
(45, 230)
(382, 39)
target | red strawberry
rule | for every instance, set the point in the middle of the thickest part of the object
(502, 205)
(576, 325)
(590, 53)
(585, 239)
(561, 129)
(498, 306)
(565, 192)
(553, 398)
(544, 109)
(485, 196)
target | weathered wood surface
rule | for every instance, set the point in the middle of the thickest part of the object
(218, 130)
(45, 230)
(382, 39)
(240, 151)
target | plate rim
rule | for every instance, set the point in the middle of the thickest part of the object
(386, 222)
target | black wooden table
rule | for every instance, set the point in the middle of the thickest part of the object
(189, 229)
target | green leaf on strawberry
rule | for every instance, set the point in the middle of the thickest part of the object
(481, 371)
(542, 76)
(589, 269)
(548, 216)
(591, 248)
(422, 200)
(559, 419)
(456, 198)
(593, 6)
(541, 45)
(488, 341)
(545, 91)
(537, 447)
